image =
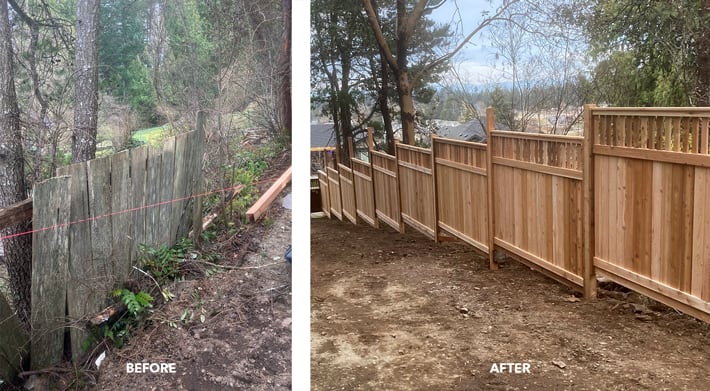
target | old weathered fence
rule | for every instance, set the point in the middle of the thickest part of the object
(89, 222)
(628, 200)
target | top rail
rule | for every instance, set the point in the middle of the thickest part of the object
(16, 213)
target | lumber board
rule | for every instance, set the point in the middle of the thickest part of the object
(50, 260)
(152, 192)
(15, 213)
(263, 203)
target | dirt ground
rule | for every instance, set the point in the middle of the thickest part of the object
(397, 311)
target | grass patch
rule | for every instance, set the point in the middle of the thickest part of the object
(152, 136)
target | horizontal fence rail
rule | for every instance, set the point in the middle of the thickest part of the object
(627, 201)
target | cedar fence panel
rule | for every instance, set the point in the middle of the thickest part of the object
(537, 197)
(385, 179)
(347, 192)
(364, 192)
(324, 192)
(628, 201)
(461, 180)
(115, 204)
(416, 186)
(652, 220)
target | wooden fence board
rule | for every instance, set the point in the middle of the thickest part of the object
(80, 297)
(139, 168)
(324, 192)
(180, 174)
(50, 259)
(167, 176)
(336, 208)
(347, 193)
(387, 201)
(462, 184)
(153, 197)
(99, 179)
(364, 192)
(121, 222)
(416, 186)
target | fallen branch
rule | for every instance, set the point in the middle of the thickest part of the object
(212, 216)
(263, 203)
(16, 213)
(107, 313)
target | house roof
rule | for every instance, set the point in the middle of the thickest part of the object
(469, 131)
(322, 135)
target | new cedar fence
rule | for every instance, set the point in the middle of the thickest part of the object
(76, 266)
(627, 201)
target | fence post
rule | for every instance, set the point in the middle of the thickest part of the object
(589, 274)
(370, 148)
(197, 211)
(436, 192)
(352, 176)
(399, 188)
(490, 126)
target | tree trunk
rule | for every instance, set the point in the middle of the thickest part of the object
(284, 101)
(383, 98)
(18, 250)
(86, 103)
(406, 104)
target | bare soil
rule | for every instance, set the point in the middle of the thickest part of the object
(397, 311)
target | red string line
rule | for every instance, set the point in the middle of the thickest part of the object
(128, 210)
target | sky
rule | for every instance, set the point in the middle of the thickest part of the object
(475, 61)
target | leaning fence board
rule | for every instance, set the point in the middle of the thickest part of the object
(50, 258)
(262, 204)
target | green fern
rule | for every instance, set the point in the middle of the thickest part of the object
(136, 302)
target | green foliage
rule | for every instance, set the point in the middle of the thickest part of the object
(135, 302)
(650, 49)
(120, 330)
(247, 170)
(163, 263)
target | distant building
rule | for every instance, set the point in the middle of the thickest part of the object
(470, 131)
(322, 136)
